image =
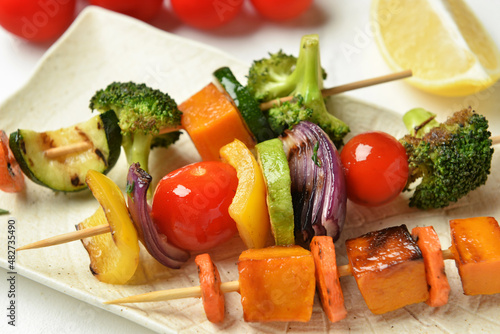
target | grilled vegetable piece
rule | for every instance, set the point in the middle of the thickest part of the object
(304, 81)
(389, 269)
(475, 244)
(156, 243)
(11, 176)
(430, 246)
(144, 113)
(248, 208)
(212, 121)
(274, 166)
(67, 173)
(277, 284)
(327, 278)
(213, 298)
(114, 256)
(247, 105)
(451, 159)
(319, 190)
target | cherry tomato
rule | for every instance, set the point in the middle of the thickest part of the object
(280, 10)
(376, 168)
(37, 20)
(190, 205)
(143, 10)
(11, 176)
(206, 14)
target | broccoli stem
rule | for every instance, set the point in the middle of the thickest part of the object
(137, 147)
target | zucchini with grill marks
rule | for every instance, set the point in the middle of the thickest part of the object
(67, 173)
(248, 106)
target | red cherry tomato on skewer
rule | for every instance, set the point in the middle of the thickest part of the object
(190, 205)
(376, 168)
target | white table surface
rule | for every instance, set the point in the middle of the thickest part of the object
(349, 53)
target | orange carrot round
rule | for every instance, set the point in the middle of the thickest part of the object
(327, 278)
(211, 294)
(430, 246)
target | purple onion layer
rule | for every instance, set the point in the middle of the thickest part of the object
(318, 183)
(157, 245)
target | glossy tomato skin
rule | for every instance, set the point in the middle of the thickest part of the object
(206, 14)
(143, 10)
(281, 10)
(376, 168)
(37, 20)
(190, 205)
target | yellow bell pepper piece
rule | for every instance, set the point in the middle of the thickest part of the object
(249, 207)
(114, 256)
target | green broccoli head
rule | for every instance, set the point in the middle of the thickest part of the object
(288, 114)
(268, 78)
(304, 81)
(138, 107)
(146, 117)
(450, 160)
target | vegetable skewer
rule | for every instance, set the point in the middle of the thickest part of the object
(347, 87)
(54, 153)
(468, 238)
(226, 287)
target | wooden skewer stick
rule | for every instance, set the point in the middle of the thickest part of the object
(56, 152)
(67, 237)
(60, 151)
(347, 87)
(195, 291)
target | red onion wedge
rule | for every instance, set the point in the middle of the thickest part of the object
(157, 245)
(318, 182)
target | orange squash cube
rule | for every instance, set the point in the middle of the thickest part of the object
(277, 284)
(475, 244)
(389, 269)
(212, 121)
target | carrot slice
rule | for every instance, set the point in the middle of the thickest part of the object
(428, 242)
(327, 278)
(213, 298)
(11, 176)
(212, 121)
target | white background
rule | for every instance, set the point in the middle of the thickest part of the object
(349, 53)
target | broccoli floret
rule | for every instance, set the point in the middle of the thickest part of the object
(268, 78)
(304, 80)
(288, 114)
(450, 159)
(147, 117)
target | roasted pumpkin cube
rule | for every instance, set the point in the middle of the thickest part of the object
(389, 269)
(212, 121)
(475, 244)
(277, 284)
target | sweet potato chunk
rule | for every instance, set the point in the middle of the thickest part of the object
(277, 284)
(475, 244)
(212, 121)
(388, 268)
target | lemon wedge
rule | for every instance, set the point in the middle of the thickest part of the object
(441, 41)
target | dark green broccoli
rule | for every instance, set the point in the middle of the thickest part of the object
(147, 117)
(450, 159)
(269, 78)
(280, 77)
(288, 114)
